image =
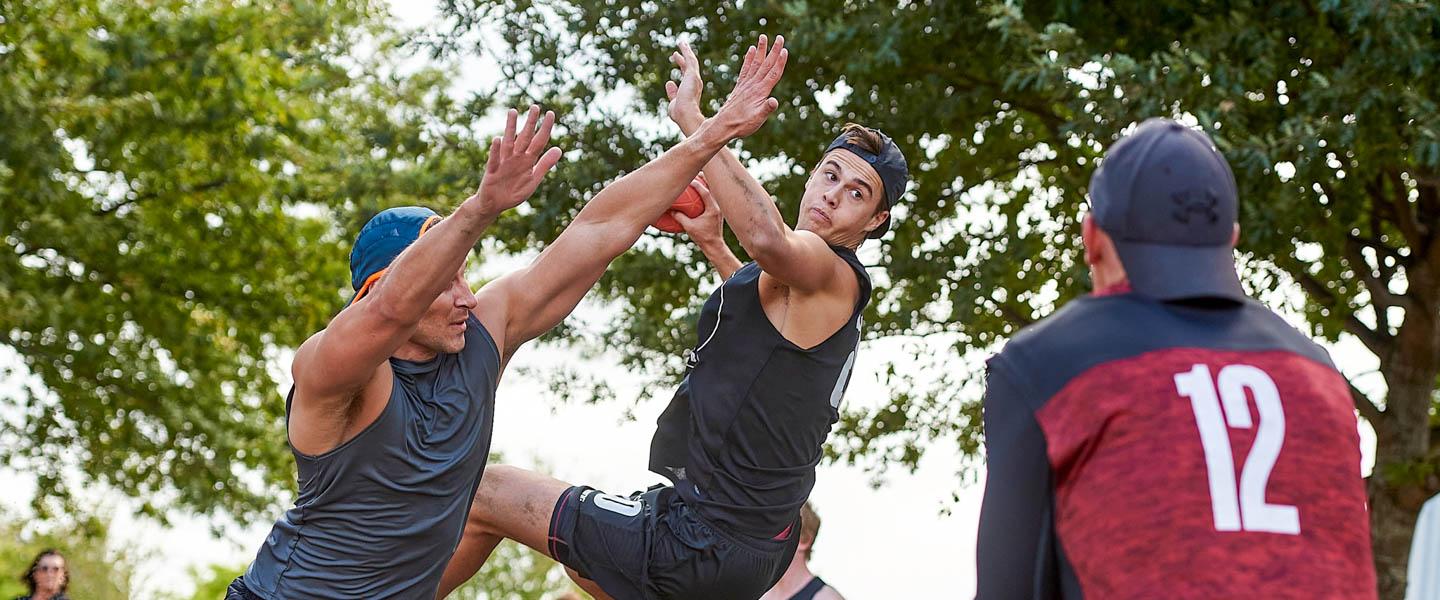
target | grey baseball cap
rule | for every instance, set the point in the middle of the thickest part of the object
(1167, 198)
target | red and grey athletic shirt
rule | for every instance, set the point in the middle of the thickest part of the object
(1143, 449)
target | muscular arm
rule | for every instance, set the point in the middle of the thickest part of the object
(547, 290)
(551, 286)
(720, 256)
(799, 259)
(334, 366)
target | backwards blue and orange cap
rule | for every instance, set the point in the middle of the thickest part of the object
(383, 238)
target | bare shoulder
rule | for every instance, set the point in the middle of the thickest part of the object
(842, 287)
(492, 309)
(309, 361)
(319, 422)
(828, 593)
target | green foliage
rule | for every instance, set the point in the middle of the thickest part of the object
(515, 572)
(99, 569)
(1324, 109)
(214, 581)
(178, 182)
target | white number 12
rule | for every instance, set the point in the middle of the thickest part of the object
(1250, 512)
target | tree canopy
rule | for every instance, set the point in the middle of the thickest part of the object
(177, 180)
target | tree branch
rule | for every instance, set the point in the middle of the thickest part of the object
(1379, 343)
(1428, 205)
(1046, 115)
(1013, 315)
(1011, 171)
(1365, 405)
(1382, 248)
(204, 187)
(1405, 219)
(1379, 290)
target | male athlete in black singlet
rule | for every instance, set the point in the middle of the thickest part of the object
(742, 436)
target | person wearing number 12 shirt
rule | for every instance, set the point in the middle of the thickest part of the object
(1166, 436)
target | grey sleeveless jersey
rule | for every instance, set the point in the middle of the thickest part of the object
(380, 515)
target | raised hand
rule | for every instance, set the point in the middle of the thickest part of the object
(750, 104)
(516, 164)
(685, 95)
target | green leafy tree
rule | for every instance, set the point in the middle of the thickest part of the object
(213, 581)
(178, 184)
(1325, 109)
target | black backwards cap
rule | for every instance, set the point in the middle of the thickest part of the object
(1167, 198)
(889, 164)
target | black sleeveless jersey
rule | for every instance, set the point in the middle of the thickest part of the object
(743, 434)
(808, 592)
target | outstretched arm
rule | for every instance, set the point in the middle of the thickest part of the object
(543, 293)
(332, 366)
(799, 259)
(708, 232)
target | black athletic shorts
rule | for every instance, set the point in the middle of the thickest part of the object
(238, 591)
(651, 546)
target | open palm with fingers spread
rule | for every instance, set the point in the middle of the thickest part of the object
(750, 104)
(685, 95)
(516, 164)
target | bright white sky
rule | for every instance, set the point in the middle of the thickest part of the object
(887, 542)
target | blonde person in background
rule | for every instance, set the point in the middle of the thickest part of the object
(798, 583)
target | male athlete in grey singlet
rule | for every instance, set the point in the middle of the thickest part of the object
(391, 411)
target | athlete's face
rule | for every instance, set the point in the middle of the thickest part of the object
(442, 329)
(841, 200)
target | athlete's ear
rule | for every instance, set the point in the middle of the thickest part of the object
(804, 545)
(875, 221)
(1094, 238)
(1235, 236)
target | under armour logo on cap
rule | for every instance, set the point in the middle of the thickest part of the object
(1199, 203)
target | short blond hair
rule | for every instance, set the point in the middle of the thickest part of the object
(809, 523)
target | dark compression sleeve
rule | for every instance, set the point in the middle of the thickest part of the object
(1017, 554)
